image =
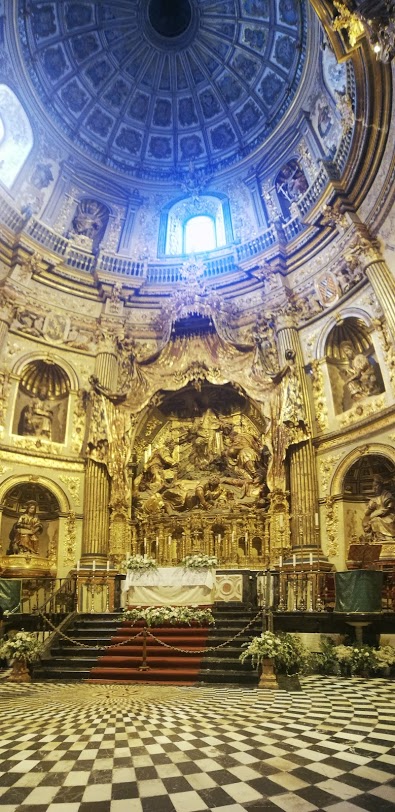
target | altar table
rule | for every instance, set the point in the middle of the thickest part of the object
(168, 586)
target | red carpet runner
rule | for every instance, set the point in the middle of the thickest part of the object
(165, 665)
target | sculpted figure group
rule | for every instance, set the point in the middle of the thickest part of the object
(214, 464)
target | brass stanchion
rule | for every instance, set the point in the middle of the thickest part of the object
(144, 666)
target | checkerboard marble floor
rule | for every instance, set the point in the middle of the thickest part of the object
(143, 748)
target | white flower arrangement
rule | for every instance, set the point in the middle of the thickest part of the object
(140, 563)
(199, 561)
(22, 646)
(169, 615)
(286, 650)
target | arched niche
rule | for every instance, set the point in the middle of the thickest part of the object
(368, 495)
(16, 136)
(291, 183)
(42, 401)
(15, 503)
(354, 372)
(89, 224)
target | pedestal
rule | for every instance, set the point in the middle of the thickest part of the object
(267, 677)
(24, 565)
(20, 672)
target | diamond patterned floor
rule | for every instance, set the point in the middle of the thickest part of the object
(141, 748)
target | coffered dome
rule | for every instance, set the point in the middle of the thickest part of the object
(145, 86)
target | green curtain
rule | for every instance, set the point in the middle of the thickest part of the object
(10, 593)
(358, 591)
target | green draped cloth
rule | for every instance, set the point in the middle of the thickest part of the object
(10, 593)
(358, 591)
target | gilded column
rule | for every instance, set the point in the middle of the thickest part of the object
(95, 539)
(366, 252)
(303, 477)
(383, 284)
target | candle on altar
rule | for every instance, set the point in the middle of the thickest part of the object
(93, 565)
(316, 520)
(108, 566)
(219, 538)
(233, 536)
(78, 565)
(311, 559)
(281, 562)
(294, 561)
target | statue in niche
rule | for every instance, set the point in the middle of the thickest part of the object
(291, 184)
(379, 520)
(36, 419)
(89, 223)
(361, 379)
(24, 535)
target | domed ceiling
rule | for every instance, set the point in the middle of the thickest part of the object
(149, 86)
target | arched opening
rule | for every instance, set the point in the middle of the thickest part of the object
(199, 234)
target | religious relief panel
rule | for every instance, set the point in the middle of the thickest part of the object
(205, 453)
(353, 370)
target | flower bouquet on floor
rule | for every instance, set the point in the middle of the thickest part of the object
(169, 615)
(21, 649)
(140, 563)
(199, 561)
(282, 654)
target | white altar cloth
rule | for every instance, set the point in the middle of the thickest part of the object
(168, 586)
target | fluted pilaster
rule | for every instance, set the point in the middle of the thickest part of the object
(383, 284)
(303, 477)
(95, 541)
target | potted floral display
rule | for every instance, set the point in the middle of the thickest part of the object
(280, 658)
(199, 561)
(140, 563)
(352, 660)
(169, 615)
(21, 649)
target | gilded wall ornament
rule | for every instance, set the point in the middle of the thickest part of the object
(326, 467)
(70, 539)
(362, 410)
(320, 405)
(73, 485)
(346, 112)
(349, 21)
(332, 526)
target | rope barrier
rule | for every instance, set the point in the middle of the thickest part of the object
(147, 631)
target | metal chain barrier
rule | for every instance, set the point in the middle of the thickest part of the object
(85, 645)
(209, 648)
(147, 631)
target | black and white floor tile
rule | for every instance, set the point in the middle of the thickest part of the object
(144, 748)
